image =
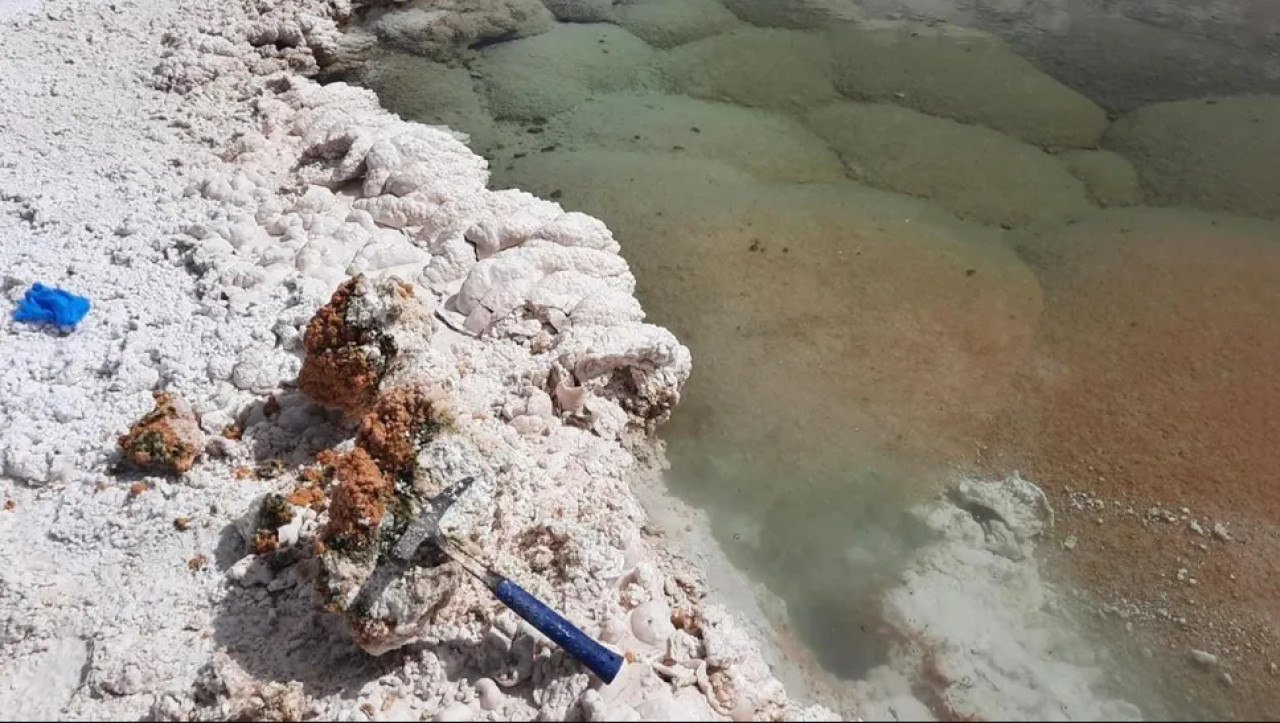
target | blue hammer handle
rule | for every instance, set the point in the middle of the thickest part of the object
(599, 660)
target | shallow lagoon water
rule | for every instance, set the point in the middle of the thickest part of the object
(867, 232)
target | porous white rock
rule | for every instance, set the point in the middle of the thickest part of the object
(540, 271)
(642, 371)
(651, 622)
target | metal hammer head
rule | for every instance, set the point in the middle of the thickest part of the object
(427, 524)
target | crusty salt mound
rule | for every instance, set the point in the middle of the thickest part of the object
(467, 332)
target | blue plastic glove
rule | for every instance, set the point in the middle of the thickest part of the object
(44, 305)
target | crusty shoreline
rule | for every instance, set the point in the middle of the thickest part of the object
(283, 201)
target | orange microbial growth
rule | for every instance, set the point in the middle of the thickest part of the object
(308, 495)
(360, 499)
(400, 423)
(338, 370)
(166, 439)
(1157, 388)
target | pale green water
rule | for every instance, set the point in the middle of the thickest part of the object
(870, 238)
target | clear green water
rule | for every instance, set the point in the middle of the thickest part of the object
(871, 239)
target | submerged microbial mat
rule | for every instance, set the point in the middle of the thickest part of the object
(901, 252)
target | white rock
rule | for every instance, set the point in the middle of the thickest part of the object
(250, 571)
(489, 695)
(1201, 657)
(529, 425)
(539, 403)
(651, 622)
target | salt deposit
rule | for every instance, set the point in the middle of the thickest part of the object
(355, 319)
(292, 192)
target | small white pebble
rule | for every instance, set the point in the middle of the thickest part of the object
(488, 693)
(1200, 657)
